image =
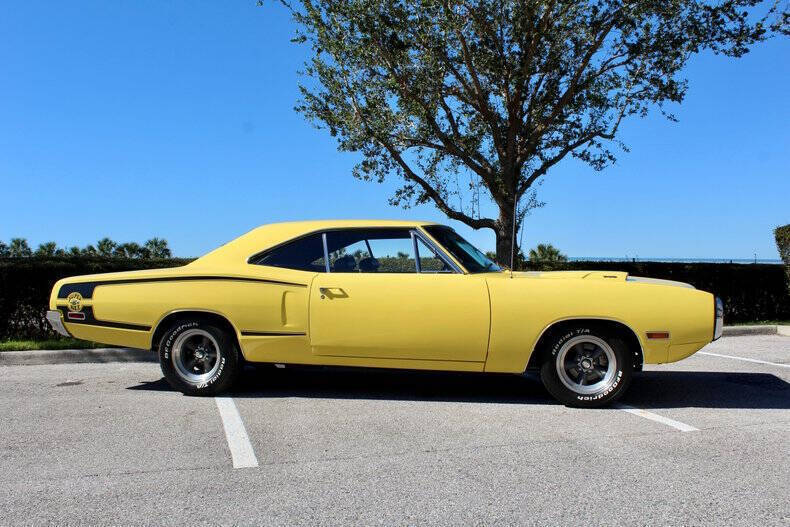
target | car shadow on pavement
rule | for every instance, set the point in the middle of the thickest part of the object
(708, 389)
(648, 390)
(368, 383)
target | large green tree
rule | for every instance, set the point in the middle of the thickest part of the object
(473, 100)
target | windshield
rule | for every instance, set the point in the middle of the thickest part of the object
(474, 260)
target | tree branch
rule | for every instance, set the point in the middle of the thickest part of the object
(482, 96)
(441, 203)
(572, 84)
(479, 165)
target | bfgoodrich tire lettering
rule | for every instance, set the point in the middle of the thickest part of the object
(586, 366)
(198, 358)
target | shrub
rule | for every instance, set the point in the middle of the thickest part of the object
(25, 285)
(546, 253)
(750, 291)
(782, 235)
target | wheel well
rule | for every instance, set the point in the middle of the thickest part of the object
(617, 328)
(211, 318)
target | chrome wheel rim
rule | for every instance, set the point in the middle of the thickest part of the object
(196, 356)
(586, 364)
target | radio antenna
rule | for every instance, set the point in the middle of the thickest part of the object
(513, 237)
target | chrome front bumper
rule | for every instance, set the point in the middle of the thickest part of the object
(56, 321)
(718, 324)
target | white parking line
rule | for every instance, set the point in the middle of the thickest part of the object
(744, 359)
(683, 427)
(239, 443)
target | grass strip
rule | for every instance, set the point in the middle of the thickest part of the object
(51, 344)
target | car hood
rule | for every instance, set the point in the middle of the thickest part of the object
(617, 276)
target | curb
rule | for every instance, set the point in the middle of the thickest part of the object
(98, 355)
(737, 331)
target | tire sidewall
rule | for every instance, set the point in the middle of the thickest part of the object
(607, 394)
(227, 356)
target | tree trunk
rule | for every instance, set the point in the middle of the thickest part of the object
(504, 236)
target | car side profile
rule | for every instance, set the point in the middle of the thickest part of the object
(387, 294)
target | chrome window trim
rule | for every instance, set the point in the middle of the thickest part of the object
(410, 230)
(417, 267)
(414, 231)
(252, 259)
(439, 252)
(326, 252)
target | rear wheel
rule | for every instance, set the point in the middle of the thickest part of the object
(198, 358)
(587, 367)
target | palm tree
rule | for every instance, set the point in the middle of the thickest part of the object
(546, 253)
(47, 249)
(157, 248)
(19, 248)
(105, 247)
(127, 250)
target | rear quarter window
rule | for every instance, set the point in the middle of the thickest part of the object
(302, 254)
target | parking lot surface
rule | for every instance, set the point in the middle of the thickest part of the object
(702, 441)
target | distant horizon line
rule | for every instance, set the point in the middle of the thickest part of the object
(672, 260)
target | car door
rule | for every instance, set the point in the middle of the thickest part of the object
(374, 303)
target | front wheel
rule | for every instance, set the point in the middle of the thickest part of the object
(198, 358)
(586, 367)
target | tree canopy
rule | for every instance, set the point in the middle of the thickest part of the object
(469, 101)
(155, 248)
(546, 253)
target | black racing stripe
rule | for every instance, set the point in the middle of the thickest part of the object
(273, 333)
(86, 288)
(90, 320)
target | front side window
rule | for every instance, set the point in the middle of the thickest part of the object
(302, 254)
(371, 251)
(474, 260)
(430, 261)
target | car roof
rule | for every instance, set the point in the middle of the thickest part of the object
(269, 235)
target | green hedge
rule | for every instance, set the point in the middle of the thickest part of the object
(750, 291)
(782, 235)
(25, 285)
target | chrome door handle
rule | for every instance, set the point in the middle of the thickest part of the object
(332, 292)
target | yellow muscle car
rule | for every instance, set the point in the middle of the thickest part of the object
(387, 294)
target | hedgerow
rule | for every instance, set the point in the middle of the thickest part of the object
(25, 285)
(750, 292)
(782, 235)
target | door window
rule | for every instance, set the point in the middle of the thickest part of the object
(371, 251)
(430, 261)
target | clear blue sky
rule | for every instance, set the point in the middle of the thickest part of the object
(175, 119)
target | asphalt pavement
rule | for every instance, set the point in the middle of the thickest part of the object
(702, 441)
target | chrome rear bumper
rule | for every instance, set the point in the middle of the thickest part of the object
(56, 321)
(718, 324)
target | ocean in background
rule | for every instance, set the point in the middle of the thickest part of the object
(672, 260)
